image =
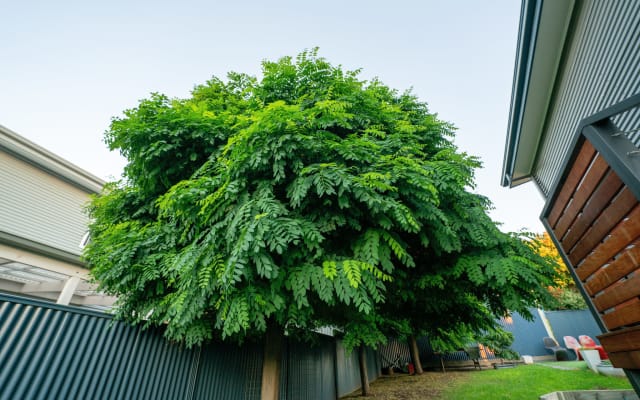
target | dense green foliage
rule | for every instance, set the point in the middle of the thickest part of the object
(566, 298)
(305, 198)
(458, 297)
(500, 341)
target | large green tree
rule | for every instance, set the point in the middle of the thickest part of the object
(263, 206)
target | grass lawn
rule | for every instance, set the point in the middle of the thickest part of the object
(523, 382)
(566, 364)
(529, 382)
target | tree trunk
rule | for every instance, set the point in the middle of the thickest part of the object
(271, 364)
(364, 376)
(415, 354)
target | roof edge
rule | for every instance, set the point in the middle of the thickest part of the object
(41, 249)
(45, 160)
(527, 33)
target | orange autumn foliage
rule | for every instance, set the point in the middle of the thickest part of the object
(546, 248)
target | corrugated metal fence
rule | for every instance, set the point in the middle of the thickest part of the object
(49, 351)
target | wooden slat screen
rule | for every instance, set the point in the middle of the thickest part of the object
(596, 220)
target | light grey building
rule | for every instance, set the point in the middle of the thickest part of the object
(43, 224)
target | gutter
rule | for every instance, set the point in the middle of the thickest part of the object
(45, 160)
(41, 249)
(528, 30)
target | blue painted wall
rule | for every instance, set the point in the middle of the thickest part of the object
(573, 323)
(527, 334)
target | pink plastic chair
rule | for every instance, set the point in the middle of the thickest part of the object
(572, 343)
(587, 342)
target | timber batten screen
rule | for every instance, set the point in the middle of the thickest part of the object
(593, 216)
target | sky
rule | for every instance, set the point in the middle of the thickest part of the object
(68, 67)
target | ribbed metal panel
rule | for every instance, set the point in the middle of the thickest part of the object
(229, 372)
(310, 370)
(49, 351)
(348, 372)
(40, 207)
(374, 364)
(151, 358)
(601, 68)
(55, 352)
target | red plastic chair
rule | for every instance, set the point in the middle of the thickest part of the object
(572, 343)
(587, 342)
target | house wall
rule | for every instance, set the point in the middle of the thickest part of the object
(601, 67)
(50, 351)
(39, 207)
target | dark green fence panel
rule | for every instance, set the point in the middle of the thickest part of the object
(310, 370)
(157, 369)
(230, 372)
(374, 364)
(49, 351)
(347, 370)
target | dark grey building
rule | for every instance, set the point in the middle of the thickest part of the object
(574, 131)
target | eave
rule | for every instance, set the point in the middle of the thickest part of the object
(25, 150)
(542, 36)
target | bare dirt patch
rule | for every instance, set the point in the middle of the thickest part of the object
(429, 385)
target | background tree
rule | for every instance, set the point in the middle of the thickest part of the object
(563, 289)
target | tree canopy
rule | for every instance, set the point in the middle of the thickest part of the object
(306, 197)
(563, 289)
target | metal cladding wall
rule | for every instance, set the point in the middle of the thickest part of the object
(226, 371)
(573, 323)
(600, 68)
(49, 351)
(396, 352)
